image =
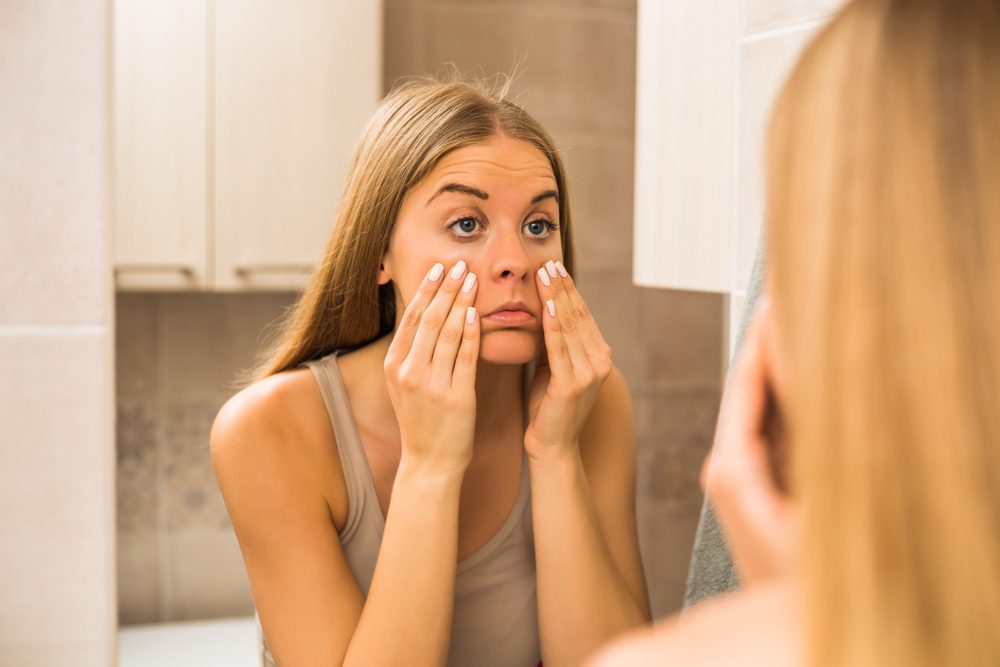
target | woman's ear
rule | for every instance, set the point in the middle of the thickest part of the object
(384, 278)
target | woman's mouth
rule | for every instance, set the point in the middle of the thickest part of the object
(511, 317)
(510, 314)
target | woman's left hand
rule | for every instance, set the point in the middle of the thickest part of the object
(575, 364)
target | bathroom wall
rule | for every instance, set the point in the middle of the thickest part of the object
(575, 63)
(57, 582)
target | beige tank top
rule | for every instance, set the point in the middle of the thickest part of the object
(495, 621)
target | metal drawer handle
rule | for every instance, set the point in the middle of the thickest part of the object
(245, 270)
(155, 268)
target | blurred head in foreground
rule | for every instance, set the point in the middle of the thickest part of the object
(884, 232)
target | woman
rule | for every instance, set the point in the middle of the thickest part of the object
(880, 353)
(403, 489)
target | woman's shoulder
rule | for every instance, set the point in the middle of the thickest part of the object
(280, 423)
(758, 626)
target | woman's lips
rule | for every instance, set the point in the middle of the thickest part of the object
(510, 317)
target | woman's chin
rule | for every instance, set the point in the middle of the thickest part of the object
(509, 346)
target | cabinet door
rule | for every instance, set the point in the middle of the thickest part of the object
(294, 82)
(161, 147)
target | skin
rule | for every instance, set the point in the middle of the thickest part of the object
(438, 405)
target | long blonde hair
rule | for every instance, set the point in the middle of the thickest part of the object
(420, 121)
(884, 229)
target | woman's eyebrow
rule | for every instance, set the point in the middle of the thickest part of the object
(458, 187)
(465, 189)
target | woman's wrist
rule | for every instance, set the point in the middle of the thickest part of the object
(552, 454)
(416, 471)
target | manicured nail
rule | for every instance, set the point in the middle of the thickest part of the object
(551, 267)
(562, 270)
(459, 269)
(470, 280)
(470, 315)
(436, 272)
(552, 307)
(544, 276)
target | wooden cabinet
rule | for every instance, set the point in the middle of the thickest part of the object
(235, 123)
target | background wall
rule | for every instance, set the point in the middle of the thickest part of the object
(57, 581)
(178, 557)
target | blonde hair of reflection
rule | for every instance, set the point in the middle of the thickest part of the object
(419, 122)
(884, 232)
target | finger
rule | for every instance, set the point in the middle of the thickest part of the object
(570, 324)
(466, 361)
(597, 348)
(555, 344)
(434, 316)
(410, 320)
(443, 361)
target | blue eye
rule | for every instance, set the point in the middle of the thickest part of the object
(540, 228)
(464, 226)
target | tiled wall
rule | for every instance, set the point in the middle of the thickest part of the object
(178, 558)
(57, 593)
(177, 355)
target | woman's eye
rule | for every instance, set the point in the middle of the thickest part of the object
(465, 226)
(539, 228)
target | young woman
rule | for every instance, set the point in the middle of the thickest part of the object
(880, 353)
(405, 487)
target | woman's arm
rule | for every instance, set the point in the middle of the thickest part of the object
(581, 447)
(311, 608)
(310, 605)
(591, 585)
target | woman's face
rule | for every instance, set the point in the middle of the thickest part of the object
(494, 205)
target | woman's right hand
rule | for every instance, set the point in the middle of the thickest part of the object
(744, 476)
(430, 369)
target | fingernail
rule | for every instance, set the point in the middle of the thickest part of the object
(470, 280)
(551, 267)
(470, 315)
(436, 272)
(552, 307)
(544, 276)
(459, 269)
(562, 270)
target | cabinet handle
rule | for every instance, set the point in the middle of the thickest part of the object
(247, 269)
(155, 268)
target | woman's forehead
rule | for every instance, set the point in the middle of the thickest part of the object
(500, 157)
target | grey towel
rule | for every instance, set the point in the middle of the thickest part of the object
(711, 572)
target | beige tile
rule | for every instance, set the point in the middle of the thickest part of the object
(675, 430)
(208, 338)
(666, 540)
(206, 577)
(137, 343)
(191, 494)
(56, 495)
(614, 302)
(139, 580)
(575, 74)
(139, 498)
(54, 165)
(681, 337)
(95, 652)
(404, 26)
(765, 64)
(599, 173)
(767, 14)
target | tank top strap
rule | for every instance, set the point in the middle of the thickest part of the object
(361, 496)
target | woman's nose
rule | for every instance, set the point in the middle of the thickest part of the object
(508, 259)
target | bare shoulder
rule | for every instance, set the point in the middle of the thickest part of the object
(280, 425)
(753, 627)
